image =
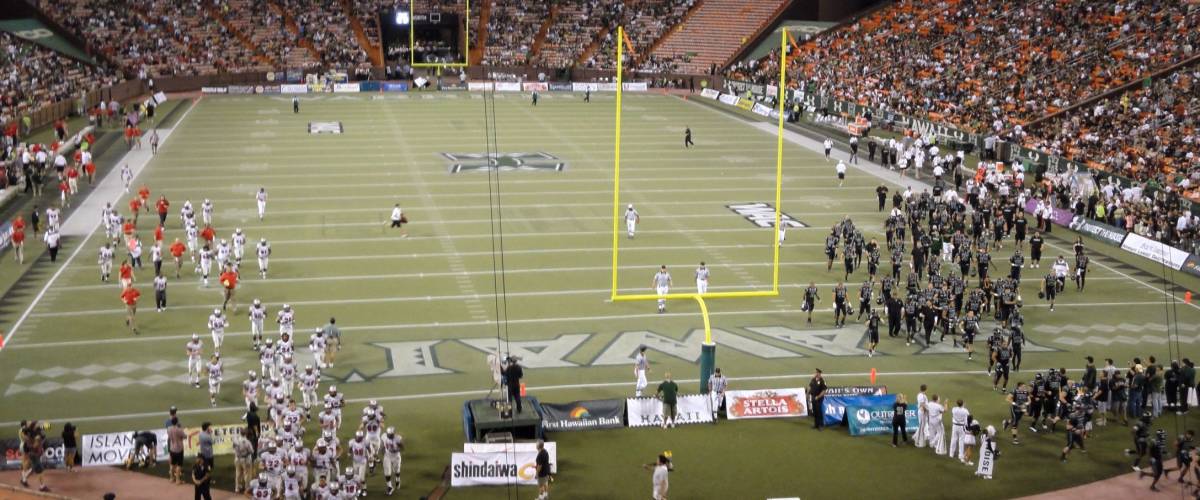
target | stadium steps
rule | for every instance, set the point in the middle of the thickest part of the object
(716, 31)
(237, 33)
(374, 52)
(667, 33)
(594, 46)
(475, 56)
(294, 29)
(762, 30)
(541, 34)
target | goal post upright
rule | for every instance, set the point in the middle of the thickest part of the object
(708, 349)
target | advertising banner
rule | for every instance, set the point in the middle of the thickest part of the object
(214, 90)
(729, 99)
(1099, 230)
(395, 87)
(479, 86)
(745, 104)
(876, 417)
(508, 87)
(1156, 251)
(6, 232)
(710, 93)
(607, 87)
(241, 89)
(583, 415)
(1058, 216)
(370, 86)
(294, 76)
(222, 439)
(690, 409)
(420, 82)
(160, 98)
(114, 448)
(454, 86)
(1192, 266)
(560, 87)
(10, 454)
(761, 109)
(769, 403)
(551, 448)
(493, 469)
(634, 86)
(293, 88)
(532, 86)
(857, 390)
(582, 86)
(345, 87)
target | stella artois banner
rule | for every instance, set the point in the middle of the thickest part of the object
(766, 403)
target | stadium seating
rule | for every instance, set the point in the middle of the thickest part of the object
(33, 76)
(715, 32)
(511, 29)
(646, 22)
(576, 24)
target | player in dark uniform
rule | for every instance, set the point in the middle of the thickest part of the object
(1081, 265)
(1035, 249)
(983, 263)
(1076, 425)
(1049, 289)
(848, 257)
(957, 288)
(897, 260)
(881, 191)
(1050, 399)
(1037, 391)
(993, 345)
(872, 259)
(886, 288)
(1018, 402)
(1016, 327)
(970, 328)
(687, 134)
(910, 318)
(987, 293)
(872, 333)
(964, 260)
(895, 309)
(1019, 227)
(831, 243)
(864, 298)
(929, 317)
(1158, 455)
(811, 297)
(1141, 440)
(1016, 262)
(840, 307)
(1003, 357)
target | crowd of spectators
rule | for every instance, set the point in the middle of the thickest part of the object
(32, 76)
(645, 22)
(575, 26)
(992, 63)
(512, 27)
(325, 24)
(267, 30)
(1147, 133)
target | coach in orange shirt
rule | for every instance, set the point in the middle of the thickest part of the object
(177, 250)
(229, 280)
(18, 239)
(135, 206)
(163, 206)
(130, 297)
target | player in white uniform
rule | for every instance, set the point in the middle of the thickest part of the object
(702, 278)
(250, 389)
(662, 285)
(258, 314)
(292, 487)
(239, 246)
(223, 252)
(271, 463)
(52, 217)
(358, 456)
(206, 211)
(372, 427)
(105, 260)
(195, 350)
(319, 489)
(336, 400)
(328, 420)
(298, 460)
(206, 258)
(264, 252)
(631, 220)
(284, 349)
(126, 176)
(336, 445)
(216, 325)
(641, 366)
(393, 446)
(192, 235)
(287, 373)
(266, 358)
(309, 380)
(323, 458)
(317, 345)
(110, 231)
(285, 318)
(215, 375)
(260, 489)
(186, 212)
(261, 198)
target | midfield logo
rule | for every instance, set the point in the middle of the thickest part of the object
(504, 162)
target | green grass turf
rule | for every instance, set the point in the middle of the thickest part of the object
(330, 199)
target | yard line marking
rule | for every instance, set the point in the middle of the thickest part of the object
(473, 392)
(110, 183)
(325, 187)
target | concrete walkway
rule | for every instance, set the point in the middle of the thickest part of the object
(93, 482)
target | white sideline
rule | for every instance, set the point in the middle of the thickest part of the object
(110, 188)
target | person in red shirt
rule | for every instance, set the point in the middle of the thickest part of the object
(126, 274)
(229, 280)
(144, 194)
(158, 234)
(163, 206)
(90, 169)
(135, 207)
(18, 239)
(64, 189)
(128, 228)
(177, 250)
(130, 297)
(73, 178)
(208, 234)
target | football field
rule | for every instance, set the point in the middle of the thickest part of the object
(419, 313)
